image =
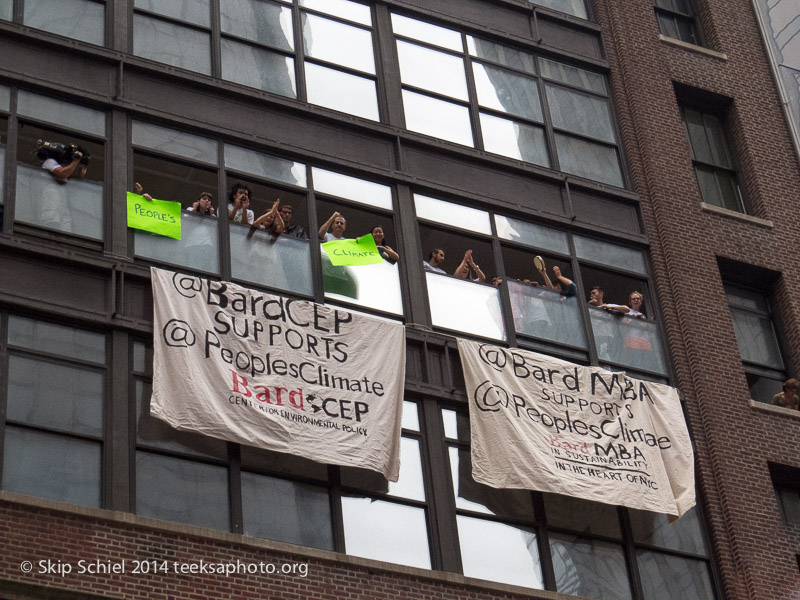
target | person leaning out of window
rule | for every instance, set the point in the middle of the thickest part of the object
(788, 398)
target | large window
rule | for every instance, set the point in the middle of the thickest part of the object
(676, 20)
(321, 52)
(712, 159)
(83, 20)
(758, 344)
(576, 8)
(496, 98)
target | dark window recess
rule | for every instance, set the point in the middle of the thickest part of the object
(712, 159)
(786, 481)
(676, 19)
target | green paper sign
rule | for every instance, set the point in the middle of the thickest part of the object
(159, 216)
(361, 251)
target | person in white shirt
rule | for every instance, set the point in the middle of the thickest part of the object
(56, 212)
(239, 205)
(337, 225)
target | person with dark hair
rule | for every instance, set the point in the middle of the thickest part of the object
(239, 204)
(202, 206)
(56, 211)
(387, 253)
(467, 268)
(271, 220)
(596, 299)
(337, 225)
(434, 262)
(788, 398)
(296, 231)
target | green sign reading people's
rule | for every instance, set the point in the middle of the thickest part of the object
(350, 252)
(156, 216)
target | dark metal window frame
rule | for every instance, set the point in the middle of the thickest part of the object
(677, 16)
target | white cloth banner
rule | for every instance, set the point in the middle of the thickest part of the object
(286, 375)
(545, 424)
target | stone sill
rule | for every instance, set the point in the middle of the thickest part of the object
(215, 537)
(766, 223)
(692, 47)
(777, 410)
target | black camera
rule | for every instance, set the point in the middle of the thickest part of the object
(62, 153)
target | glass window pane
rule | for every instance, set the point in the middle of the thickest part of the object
(477, 310)
(729, 191)
(696, 127)
(504, 55)
(542, 313)
(610, 254)
(281, 262)
(403, 531)
(499, 552)
(52, 466)
(172, 44)
(756, 338)
(409, 485)
(286, 511)
(515, 140)
(352, 11)
(502, 90)
(667, 577)
(627, 340)
(716, 141)
(589, 569)
(580, 113)
(262, 22)
(654, 529)
(259, 68)
(531, 235)
(456, 215)
(142, 359)
(61, 113)
(438, 118)
(341, 91)
(582, 515)
(571, 7)
(264, 165)
(6, 11)
(352, 188)
(56, 396)
(709, 189)
(76, 19)
(470, 495)
(432, 70)
(56, 339)
(2, 173)
(592, 82)
(181, 490)
(410, 416)
(587, 159)
(191, 11)
(374, 286)
(338, 43)
(5, 98)
(426, 32)
(747, 299)
(75, 207)
(177, 143)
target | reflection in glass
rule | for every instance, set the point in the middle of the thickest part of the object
(51, 466)
(504, 55)
(409, 485)
(450, 423)
(403, 535)
(262, 22)
(589, 568)
(286, 511)
(352, 188)
(61, 113)
(542, 313)
(531, 234)
(592, 82)
(6, 14)
(191, 11)
(432, 70)
(410, 416)
(341, 91)
(437, 118)
(465, 306)
(654, 529)
(374, 286)
(280, 262)
(667, 577)
(515, 140)
(75, 207)
(588, 159)
(571, 7)
(610, 254)
(582, 515)
(76, 19)
(505, 91)
(56, 339)
(177, 143)
(259, 68)
(499, 552)
(756, 338)
(74, 404)
(172, 44)
(344, 9)
(264, 165)
(338, 43)
(579, 113)
(426, 32)
(627, 341)
(180, 490)
(456, 215)
(198, 248)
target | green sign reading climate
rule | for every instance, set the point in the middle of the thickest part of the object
(156, 216)
(361, 251)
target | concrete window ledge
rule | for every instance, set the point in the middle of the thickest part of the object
(789, 412)
(766, 223)
(692, 47)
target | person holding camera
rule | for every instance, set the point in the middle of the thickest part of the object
(62, 173)
(69, 163)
